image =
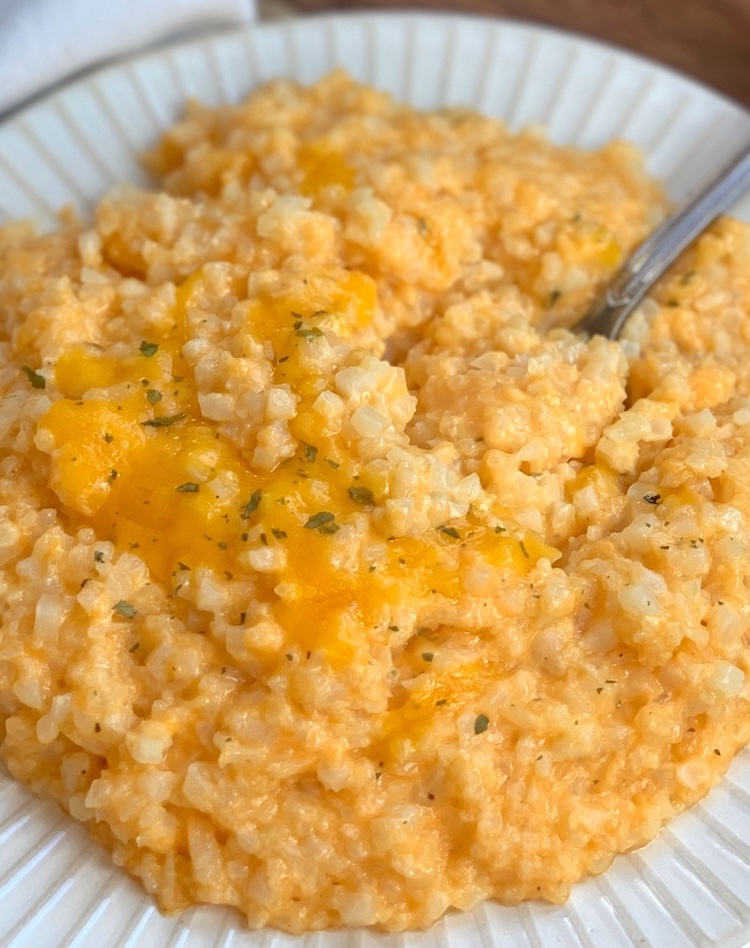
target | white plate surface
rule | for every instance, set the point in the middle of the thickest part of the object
(689, 888)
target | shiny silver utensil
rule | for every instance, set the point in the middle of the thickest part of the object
(644, 267)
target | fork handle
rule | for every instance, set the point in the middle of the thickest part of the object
(644, 267)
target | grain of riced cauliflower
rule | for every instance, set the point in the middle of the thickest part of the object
(339, 581)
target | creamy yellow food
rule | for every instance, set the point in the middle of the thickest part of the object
(339, 581)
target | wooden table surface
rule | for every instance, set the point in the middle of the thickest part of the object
(708, 39)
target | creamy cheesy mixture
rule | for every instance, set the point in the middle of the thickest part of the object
(339, 581)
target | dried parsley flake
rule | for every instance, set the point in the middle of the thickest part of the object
(362, 495)
(125, 609)
(307, 332)
(37, 380)
(323, 522)
(164, 422)
(252, 505)
(481, 724)
(450, 532)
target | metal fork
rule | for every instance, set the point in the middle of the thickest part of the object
(644, 267)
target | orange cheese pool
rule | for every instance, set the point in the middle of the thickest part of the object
(339, 581)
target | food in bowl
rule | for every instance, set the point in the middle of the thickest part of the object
(341, 582)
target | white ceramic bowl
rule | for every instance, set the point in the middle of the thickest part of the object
(689, 888)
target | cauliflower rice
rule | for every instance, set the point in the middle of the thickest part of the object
(340, 582)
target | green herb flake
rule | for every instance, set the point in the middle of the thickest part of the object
(523, 549)
(307, 332)
(717, 752)
(98, 556)
(113, 475)
(652, 498)
(428, 656)
(37, 380)
(189, 487)
(152, 396)
(362, 495)
(323, 522)
(164, 422)
(311, 452)
(499, 529)
(108, 437)
(148, 349)
(279, 534)
(252, 505)
(182, 566)
(481, 724)
(125, 609)
(334, 464)
(450, 532)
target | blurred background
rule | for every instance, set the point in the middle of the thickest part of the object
(46, 42)
(708, 39)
